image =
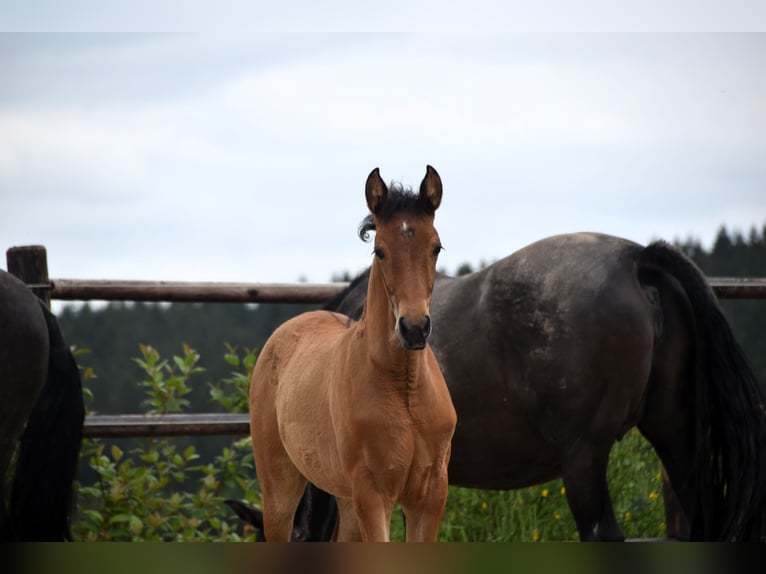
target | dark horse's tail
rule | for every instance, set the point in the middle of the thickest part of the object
(42, 497)
(730, 415)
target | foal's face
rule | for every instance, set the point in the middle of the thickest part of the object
(406, 248)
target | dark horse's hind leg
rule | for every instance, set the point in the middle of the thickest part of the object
(676, 524)
(6, 532)
(587, 492)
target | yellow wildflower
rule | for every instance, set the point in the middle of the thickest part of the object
(563, 491)
(557, 515)
(654, 495)
(535, 535)
(484, 505)
(628, 516)
(544, 493)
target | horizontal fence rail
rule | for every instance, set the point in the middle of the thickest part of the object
(220, 292)
(190, 292)
(739, 287)
(131, 426)
(123, 426)
(30, 264)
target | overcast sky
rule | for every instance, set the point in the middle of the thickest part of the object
(242, 156)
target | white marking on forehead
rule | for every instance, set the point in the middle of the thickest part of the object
(406, 230)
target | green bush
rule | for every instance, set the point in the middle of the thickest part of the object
(160, 489)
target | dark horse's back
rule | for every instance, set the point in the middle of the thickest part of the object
(41, 406)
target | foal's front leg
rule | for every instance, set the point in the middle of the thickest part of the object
(423, 523)
(373, 509)
(424, 513)
(348, 525)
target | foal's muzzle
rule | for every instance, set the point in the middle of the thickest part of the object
(412, 335)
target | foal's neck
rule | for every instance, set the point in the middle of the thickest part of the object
(383, 346)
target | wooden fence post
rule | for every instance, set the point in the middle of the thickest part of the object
(30, 264)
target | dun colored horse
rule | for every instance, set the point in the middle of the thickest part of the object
(553, 353)
(41, 405)
(361, 409)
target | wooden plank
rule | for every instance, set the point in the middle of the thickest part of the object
(128, 426)
(184, 291)
(739, 287)
(192, 292)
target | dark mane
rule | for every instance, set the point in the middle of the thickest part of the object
(400, 198)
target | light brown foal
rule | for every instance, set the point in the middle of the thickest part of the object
(361, 409)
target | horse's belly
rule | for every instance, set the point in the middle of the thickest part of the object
(513, 455)
(309, 440)
(509, 473)
(316, 459)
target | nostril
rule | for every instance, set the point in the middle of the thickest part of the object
(427, 325)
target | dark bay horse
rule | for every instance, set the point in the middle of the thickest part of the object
(553, 353)
(41, 405)
(361, 408)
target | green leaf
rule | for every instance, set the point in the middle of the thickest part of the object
(180, 363)
(95, 515)
(136, 525)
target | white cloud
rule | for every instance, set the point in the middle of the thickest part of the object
(251, 157)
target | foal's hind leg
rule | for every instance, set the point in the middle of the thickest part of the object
(587, 491)
(282, 487)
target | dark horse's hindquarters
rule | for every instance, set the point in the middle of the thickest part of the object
(41, 405)
(556, 351)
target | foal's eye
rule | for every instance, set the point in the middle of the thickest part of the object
(438, 249)
(378, 253)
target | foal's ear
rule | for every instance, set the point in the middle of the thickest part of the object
(376, 191)
(430, 190)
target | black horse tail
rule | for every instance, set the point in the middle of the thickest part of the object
(249, 515)
(730, 415)
(42, 496)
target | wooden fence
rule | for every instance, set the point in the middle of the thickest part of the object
(29, 263)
